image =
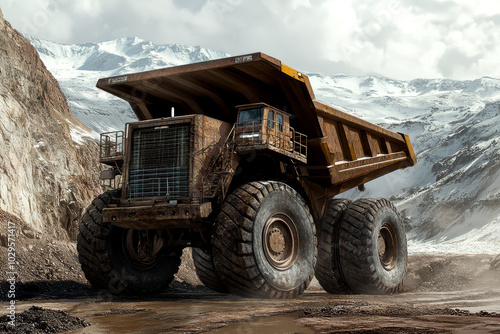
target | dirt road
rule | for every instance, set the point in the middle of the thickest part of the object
(444, 294)
(474, 311)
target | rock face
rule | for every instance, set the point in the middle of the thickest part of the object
(48, 168)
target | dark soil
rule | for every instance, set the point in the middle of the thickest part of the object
(48, 290)
(39, 320)
(395, 311)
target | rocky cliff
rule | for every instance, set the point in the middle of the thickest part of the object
(48, 167)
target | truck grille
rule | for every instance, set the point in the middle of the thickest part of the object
(159, 164)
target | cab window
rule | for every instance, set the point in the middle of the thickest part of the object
(270, 119)
(279, 119)
(250, 117)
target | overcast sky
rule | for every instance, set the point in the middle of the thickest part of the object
(399, 39)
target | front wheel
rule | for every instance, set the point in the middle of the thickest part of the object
(123, 260)
(264, 242)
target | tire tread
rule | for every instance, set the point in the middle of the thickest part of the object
(356, 256)
(329, 270)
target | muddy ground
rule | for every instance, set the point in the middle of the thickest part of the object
(443, 294)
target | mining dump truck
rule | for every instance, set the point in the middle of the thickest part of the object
(237, 159)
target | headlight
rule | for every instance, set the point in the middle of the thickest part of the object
(251, 135)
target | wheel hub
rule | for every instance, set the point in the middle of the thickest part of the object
(277, 241)
(281, 241)
(387, 245)
(141, 248)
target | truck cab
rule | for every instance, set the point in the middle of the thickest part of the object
(261, 126)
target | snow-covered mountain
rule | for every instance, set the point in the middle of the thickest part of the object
(451, 199)
(78, 67)
(452, 196)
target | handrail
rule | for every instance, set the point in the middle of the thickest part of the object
(111, 144)
(252, 131)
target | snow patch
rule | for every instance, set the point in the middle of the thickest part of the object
(80, 136)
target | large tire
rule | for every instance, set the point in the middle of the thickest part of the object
(204, 264)
(373, 251)
(328, 270)
(264, 242)
(103, 252)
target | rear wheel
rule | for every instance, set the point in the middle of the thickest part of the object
(329, 270)
(373, 251)
(204, 264)
(121, 259)
(264, 241)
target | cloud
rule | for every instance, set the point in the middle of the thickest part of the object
(400, 39)
(416, 39)
(454, 60)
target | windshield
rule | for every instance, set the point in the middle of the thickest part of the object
(251, 117)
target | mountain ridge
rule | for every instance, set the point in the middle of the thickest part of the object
(78, 67)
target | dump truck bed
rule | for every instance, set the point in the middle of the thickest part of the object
(343, 150)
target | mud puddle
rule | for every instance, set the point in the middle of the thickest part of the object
(278, 324)
(315, 311)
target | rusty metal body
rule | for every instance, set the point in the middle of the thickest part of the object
(318, 150)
